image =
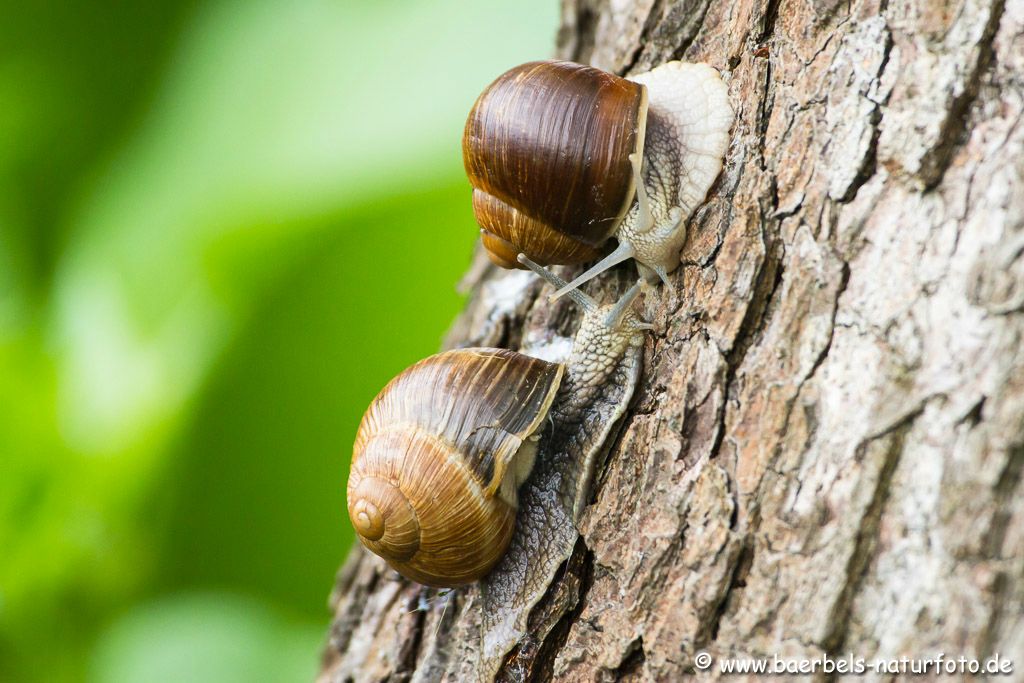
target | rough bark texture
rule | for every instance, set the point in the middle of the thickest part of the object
(825, 453)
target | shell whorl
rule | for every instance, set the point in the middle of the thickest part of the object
(382, 514)
(546, 149)
(438, 457)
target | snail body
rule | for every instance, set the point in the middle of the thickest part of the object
(557, 151)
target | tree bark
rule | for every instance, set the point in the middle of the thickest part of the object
(825, 452)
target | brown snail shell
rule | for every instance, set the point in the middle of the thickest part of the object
(546, 148)
(439, 456)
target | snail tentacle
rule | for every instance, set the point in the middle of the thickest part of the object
(585, 302)
(623, 252)
(643, 202)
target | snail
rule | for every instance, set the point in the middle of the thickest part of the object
(436, 487)
(476, 464)
(555, 152)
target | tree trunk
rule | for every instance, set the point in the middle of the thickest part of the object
(824, 454)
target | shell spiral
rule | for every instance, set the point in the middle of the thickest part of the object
(438, 457)
(546, 148)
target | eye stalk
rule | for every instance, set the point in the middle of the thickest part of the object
(585, 303)
(615, 319)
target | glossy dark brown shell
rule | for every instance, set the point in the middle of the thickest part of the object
(546, 148)
(434, 466)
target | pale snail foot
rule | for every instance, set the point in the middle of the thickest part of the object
(688, 125)
(687, 138)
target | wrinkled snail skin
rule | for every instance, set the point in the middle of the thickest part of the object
(601, 375)
(439, 457)
(547, 137)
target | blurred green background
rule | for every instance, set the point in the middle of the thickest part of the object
(223, 227)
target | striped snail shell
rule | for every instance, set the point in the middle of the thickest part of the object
(438, 459)
(546, 148)
(557, 151)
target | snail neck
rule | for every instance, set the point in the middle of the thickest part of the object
(597, 351)
(602, 370)
(655, 226)
(597, 389)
